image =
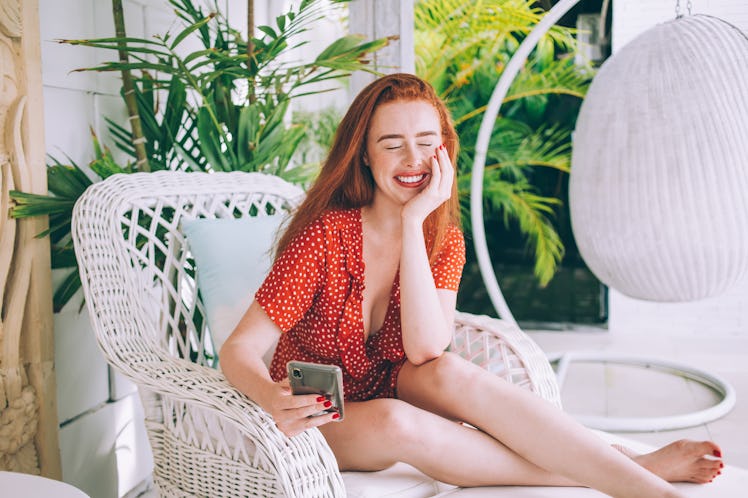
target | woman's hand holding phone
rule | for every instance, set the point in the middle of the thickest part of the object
(293, 413)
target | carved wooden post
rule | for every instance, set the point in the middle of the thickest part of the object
(28, 405)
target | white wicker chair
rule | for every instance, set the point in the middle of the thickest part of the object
(208, 439)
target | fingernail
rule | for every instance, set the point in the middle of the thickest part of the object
(335, 416)
(327, 404)
(320, 399)
(717, 453)
(721, 465)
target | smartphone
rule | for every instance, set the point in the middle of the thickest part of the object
(314, 378)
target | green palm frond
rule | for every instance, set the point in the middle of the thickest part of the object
(546, 146)
(562, 76)
(533, 213)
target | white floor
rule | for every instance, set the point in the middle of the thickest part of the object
(612, 390)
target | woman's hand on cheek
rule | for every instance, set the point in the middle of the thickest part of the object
(436, 192)
(293, 413)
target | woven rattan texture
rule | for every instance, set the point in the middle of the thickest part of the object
(207, 438)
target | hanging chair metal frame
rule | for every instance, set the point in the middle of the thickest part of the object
(621, 424)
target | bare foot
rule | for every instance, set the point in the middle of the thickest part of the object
(681, 461)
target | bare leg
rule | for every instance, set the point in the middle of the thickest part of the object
(378, 433)
(454, 388)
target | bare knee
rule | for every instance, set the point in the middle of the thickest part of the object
(451, 374)
(394, 422)
(374, 435)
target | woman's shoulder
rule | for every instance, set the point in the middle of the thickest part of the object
(331, 225)
(454, 230)
(453, 236)
(338, 219)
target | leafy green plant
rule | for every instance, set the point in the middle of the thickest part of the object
(225, 107)
(322, 126)
(461, 48)
(221, 107)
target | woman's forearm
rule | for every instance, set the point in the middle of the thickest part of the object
(246, 372)
(426, 327)
(241, 355)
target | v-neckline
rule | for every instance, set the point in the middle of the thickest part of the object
(364, 336)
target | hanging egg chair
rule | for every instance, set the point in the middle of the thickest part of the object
(658, 190)
(659, 181)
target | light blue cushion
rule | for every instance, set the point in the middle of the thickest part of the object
(233, 256)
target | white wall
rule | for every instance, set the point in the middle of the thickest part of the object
(725, 315)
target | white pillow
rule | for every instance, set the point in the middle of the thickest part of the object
(232, 256)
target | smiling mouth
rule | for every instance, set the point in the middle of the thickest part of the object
(412, 180)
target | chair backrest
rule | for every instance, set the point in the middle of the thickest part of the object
(136, 270)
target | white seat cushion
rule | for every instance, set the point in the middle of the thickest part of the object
(404, 481)
(399, 481)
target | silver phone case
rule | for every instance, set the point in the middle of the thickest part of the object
(314, 378)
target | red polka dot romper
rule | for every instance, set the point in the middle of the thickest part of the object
(314, 293)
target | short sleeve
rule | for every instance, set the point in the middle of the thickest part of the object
(295, 278)
(447, 268)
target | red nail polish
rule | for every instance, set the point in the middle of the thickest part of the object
(721, 465)
(335, 416)
(327, 404)
(717, 453)
(320, 399)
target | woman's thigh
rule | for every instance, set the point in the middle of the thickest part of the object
(376, 434)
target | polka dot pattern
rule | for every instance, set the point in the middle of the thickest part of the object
(314, 293)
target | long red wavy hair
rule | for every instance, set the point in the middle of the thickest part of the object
(345, 182)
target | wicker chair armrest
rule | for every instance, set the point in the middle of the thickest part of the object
(502, 348)
(299, 461)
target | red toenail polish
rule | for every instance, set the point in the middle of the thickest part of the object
(721, 465)
(328, 404)
(335, 416)
(320, 399)
(717, 453)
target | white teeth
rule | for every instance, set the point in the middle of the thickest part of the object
(410, 179)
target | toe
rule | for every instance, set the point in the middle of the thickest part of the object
(710, 448)
(699, 448)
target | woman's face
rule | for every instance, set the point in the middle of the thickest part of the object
(402, 139)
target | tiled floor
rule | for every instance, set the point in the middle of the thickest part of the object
(614, 390)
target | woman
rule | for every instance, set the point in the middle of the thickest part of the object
(365, 277)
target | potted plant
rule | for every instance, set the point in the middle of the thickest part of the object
(221, 107)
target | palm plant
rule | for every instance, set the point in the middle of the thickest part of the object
(461, 48)
(222, 107)
(225, 107)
